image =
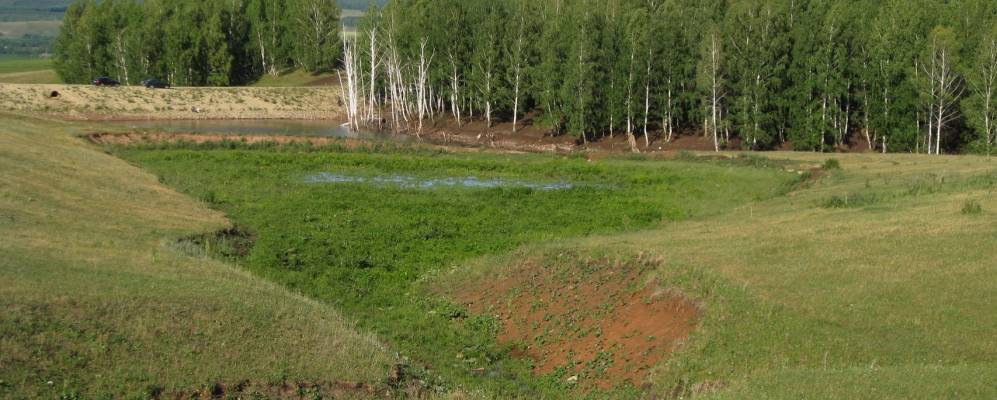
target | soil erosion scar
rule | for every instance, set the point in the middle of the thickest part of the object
(599, 321)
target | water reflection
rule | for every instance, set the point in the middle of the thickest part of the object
(427, 183)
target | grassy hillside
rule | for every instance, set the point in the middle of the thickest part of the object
(876, 282)
(99, 298)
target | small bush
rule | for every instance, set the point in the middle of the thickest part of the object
(210, 197)
(851, 200)
(831, 164)
(972, 207)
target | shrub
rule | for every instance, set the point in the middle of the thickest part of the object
(851, 200)
(831, 164)
(972, 207)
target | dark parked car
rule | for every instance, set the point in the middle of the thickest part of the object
(105, 81)
(154, 83)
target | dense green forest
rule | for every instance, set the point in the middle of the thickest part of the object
(893, 75)
(193, 42)
(890, 75)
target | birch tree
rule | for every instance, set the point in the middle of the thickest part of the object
(516, 52)
(981, 107)
(943, 86)
(712, 83)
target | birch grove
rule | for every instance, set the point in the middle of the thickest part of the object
(746, 74)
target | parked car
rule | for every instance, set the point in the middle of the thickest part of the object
(105, 81)
(154, 83)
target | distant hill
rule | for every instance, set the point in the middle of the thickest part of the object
(26, 26)
(32, 10)
(359, 4)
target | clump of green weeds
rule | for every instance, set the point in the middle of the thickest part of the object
(852, 200)
(972, 207)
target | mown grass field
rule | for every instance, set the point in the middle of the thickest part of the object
(100, 301)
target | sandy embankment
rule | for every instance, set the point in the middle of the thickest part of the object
(80, 102)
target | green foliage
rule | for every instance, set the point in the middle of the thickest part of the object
(852, 200)
(194, 42)
(972, 207)
(831, 164)
(813, 73)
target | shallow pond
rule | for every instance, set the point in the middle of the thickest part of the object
(255, 127)
(428, 183)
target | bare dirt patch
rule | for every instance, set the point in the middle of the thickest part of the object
(599, 324)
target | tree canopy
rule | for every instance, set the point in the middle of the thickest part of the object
(192, 42)
(759, 74)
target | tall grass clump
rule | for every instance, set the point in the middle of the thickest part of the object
(852, 200)
(972, 207)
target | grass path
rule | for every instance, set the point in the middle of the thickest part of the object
(97, 298)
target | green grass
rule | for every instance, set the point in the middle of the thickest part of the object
(366, 248)
(27, 70)
(874, 278)
(296, 78)
(11, 65)
(99, 299)
(888, 300)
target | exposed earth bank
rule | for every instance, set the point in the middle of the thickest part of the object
(80, 102)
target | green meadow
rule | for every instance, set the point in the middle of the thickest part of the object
(157, 268)
(367, 247)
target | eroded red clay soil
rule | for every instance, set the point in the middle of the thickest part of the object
(601, 323)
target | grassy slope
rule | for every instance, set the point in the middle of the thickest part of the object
(296, 78)
(96, 297)
(888, 298)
